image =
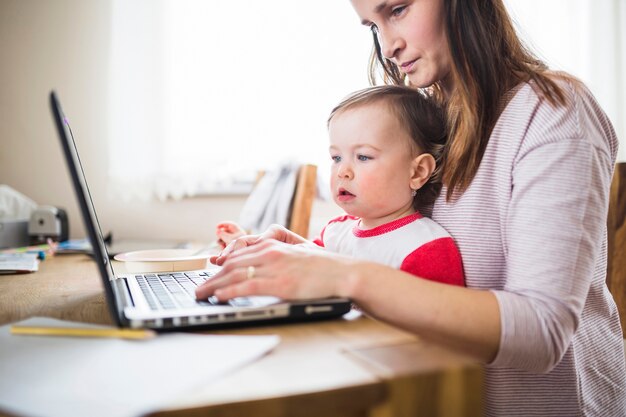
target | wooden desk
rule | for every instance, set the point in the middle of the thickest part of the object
(341, 368)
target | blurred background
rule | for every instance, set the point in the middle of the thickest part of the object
(176, 105)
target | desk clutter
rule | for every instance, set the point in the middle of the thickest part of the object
(29, 233)
(22, 223)
(15, 212)
(18, 263)
(81, 376)
(25, 259)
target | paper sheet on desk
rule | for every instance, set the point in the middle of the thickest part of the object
(63, 376)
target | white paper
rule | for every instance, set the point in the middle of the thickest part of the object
(18, 262)
(44, 376)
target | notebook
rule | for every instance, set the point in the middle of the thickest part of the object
(18, 263)
(163, 301)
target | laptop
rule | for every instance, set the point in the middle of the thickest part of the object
(165, 301)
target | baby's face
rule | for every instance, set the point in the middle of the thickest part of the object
(371, 169)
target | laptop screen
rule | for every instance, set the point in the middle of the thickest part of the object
(85, 202)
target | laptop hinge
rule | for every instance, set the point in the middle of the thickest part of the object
(123, 298)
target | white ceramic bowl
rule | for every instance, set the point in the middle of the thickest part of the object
(163, 260)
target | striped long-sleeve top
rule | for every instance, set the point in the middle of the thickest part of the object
(531, 227)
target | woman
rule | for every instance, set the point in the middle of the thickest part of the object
(527, 171)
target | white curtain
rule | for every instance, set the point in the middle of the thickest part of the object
(586, 38)
(204, 94)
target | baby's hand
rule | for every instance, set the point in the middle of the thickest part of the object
(226, 232)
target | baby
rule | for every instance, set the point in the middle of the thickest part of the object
(385, 144)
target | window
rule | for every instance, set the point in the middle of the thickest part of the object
(204, 94)
(586, 38)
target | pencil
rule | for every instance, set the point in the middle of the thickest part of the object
(83, 332)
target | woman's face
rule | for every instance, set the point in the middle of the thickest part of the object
(412, 35)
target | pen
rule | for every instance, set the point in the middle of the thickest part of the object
(46, 249)
(40, 254)
(83, 332)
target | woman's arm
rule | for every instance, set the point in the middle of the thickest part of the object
(462, 319)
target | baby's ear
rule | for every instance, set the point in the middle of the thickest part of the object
(422, 168)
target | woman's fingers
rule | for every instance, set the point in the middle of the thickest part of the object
(233, 246)
(274, 232)
(281, 270)
(236, 269)
(228, 277)
(257, 286)
(282, 234)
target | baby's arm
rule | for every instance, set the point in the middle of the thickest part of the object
(227, 231)
(274, 232)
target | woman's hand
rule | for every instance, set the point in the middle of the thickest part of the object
(275, 232)
(280, 269)
(437, 312)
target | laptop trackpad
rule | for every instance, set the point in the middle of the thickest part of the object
(255, 301)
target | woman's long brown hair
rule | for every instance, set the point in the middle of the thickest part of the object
(488, 60)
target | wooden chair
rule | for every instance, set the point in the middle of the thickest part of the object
(301, 204)
(616, 262)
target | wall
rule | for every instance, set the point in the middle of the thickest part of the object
(64, 45)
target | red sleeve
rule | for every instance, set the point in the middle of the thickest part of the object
(438, 260)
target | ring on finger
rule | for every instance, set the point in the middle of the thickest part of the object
(250, 272)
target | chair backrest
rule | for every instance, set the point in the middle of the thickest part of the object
(616, 262)
(302, 203)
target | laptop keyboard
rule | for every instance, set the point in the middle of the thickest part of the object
(166, 291)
